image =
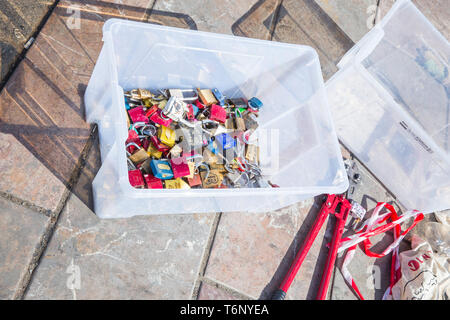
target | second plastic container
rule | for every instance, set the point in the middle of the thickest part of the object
(391, 108)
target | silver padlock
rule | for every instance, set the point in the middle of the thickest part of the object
(260, 182)
(237, 179)
(192, 139)
(357, 211)
(175, 109)
(188, 95)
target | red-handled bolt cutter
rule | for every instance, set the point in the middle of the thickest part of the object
(340, 207)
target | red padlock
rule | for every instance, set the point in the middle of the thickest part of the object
(151, 111)
(190, 113)
(136, 179)
(159, 118)
(153, 182)
(218, 113)
(199, 104)
(137, 115)
(132, 137)
(145, 143)
(159, 145)
(180, 167)
(195, 181)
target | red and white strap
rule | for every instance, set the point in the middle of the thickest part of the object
(368, 230)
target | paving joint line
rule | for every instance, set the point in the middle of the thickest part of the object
(26, 204)
(148, 11)
(53, 221)
(206, 255)
(275, 19)
(230, 291)
(24, 51)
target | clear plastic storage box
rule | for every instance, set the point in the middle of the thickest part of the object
(390, 106)
(286, 78)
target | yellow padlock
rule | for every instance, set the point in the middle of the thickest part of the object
(177, 183)
(167, 136)
(152, 152)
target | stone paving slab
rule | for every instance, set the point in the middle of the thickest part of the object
(23, 175)
(251, 252)
(249, 18)
(210, 292)
(138, 258)
(152, 257)
(19, 21)
(354, 17)
(304, 22)
(21, 231)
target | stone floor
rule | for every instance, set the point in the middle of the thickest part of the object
(52, 246)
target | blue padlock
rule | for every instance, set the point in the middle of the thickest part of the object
(161, 169)
(212, 146)
(219, 96)
(127, 104)
(225, 141)
(255, 103)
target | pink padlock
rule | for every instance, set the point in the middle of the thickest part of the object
(218, 113)
(137, 115)
(190, 114)
(136, 179)
(159, 118)
(180, 167)
(153, 182)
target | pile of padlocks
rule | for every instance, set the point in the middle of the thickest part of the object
(194, 138)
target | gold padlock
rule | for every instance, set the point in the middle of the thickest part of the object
(172, 184)
(207, 97)
(191, 165)
(147, 102)
(144, 94)
(217, 166)
(240, 124)
(153, 152)
(177, 183)
(229, 123)
(162, 104)
(213, 180)
(139, 156)
(252, 153)
(167, 136)
(184, 184)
